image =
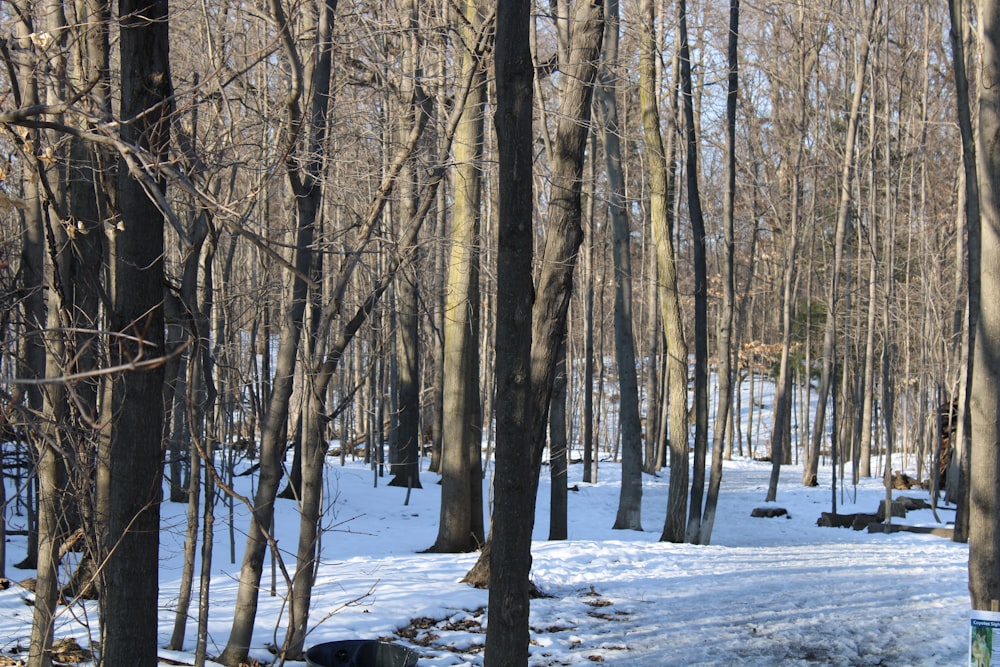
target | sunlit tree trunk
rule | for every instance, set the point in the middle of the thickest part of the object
(461, 519)
(662, 191)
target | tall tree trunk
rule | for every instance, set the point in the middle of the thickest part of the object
(405, 459)
(662, 191)
(527, 352)
(507, 637)
(958, 484)
(130, 467)
(725, 354)
(781, 433)
(45, 346)
(589, 447)
(461, 524)
(198, 400)
(864, 465)
(811, 463)
(984, 481)
(629, 515)
(31, 355)
(693, 533)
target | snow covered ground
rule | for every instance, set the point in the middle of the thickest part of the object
(768, 591)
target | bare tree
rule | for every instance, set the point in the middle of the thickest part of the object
(629, 515)
(693, 532)
(811, 462)
(724, 370)
(526, 361)
(662, 192)
(303, 175)
(461, 524)
(131, 459)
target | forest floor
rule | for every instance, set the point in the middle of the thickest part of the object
(767, 591)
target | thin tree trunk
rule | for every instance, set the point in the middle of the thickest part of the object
(589, 441)
(693, 531)
(662, 192)
(629, 515)
(725, 354)
(864, 459)
(811, 463)
(558, 453)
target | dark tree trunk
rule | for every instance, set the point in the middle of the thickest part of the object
(509, 555)
(958, 484)
(129, 468)
(725, 355)
(405, 446)
(700, 290)
(558, 453)
(527, 351)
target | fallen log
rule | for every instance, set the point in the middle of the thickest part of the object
(768, 512)
(855, 521)
(898, 528)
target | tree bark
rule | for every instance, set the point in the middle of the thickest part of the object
(527, 351)
(629, 516)
(461, 523)
(558, 454)
(984, 481)
(693, 533)
(724, 369)
(507, 636)
(130, 466)
(662, 192)
(958, 486)
(405, 458)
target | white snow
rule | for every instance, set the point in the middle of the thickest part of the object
(767, 591)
